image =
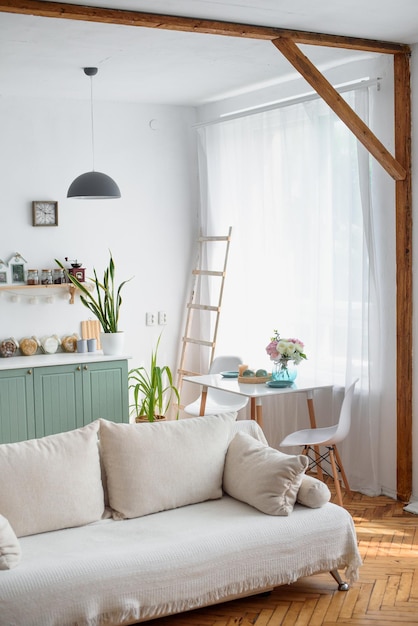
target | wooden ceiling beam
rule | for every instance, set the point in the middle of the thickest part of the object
(191, 24)
(340, 107)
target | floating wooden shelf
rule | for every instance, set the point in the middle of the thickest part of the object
(68, 287)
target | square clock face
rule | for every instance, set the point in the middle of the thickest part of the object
(44, 213)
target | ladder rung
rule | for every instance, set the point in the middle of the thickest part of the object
(204, 307)
(188, 373)
(208, 273)
(201, 342)
(224, 238)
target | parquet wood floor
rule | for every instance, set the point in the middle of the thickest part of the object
(385, 594)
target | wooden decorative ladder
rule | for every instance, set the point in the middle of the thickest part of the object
(192, 336)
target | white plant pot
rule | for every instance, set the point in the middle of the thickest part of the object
(112, 343)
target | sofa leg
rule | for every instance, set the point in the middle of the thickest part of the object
(342, 586)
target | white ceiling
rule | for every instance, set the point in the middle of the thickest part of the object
(43, 56)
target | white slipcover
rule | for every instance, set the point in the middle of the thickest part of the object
(121, 572)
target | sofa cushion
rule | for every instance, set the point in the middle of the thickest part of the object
(9, 545)
(51, 483)
(153, 467)
(313, 492)
(262, 476)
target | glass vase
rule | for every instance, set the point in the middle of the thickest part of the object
(285, 370)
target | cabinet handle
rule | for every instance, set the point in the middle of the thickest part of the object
(86, 367)
(29, 371)
(79, 368)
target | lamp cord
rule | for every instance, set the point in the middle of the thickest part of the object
(92, 119)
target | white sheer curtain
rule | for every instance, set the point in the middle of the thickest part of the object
(295, 187)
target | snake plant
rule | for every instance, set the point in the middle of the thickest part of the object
(105, 300)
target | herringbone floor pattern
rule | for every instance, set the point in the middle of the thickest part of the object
(386, 593)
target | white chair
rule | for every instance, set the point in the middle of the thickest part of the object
(311, 438)
(219, 401)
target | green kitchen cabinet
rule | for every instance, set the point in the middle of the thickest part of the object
(17, 411)
(70, 396)
(45, 400)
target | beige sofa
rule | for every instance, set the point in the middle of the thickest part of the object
(121, 523)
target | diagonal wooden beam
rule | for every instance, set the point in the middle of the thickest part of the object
(192, 24)
(334, 100)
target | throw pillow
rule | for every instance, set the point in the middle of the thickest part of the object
(154, 467)
(52, 482)
(261, 476)
(9, 545)
(313, 493)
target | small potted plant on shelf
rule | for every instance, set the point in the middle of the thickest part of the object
(153, 390)
(104, 301)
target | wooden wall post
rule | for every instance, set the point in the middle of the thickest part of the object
(404, 299)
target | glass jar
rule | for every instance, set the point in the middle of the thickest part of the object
(33, 278)
(8, 347)
(46, 277)
(284, 370)
(58, 276)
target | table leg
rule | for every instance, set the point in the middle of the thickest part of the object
(312, 420)
(259, 412)
(203, 401)
(252, 409)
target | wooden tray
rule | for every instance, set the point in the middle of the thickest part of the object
(254, 380)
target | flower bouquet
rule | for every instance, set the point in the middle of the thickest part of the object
(284, 353)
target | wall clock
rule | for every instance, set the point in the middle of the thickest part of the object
(44, 213)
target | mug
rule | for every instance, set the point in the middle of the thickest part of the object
(91, 345)
(81, 345)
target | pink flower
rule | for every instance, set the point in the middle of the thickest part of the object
(271, 350)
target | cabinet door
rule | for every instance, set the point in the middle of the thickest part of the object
(105, 391)
(17, 421)
(58, 399)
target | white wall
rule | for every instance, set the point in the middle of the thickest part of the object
(151, 230)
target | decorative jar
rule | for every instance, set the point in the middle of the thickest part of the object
(46, 277)
(33, 277)
(58, 276)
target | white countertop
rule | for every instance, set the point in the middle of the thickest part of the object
(59, 358)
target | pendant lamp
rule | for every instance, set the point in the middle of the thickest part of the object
(93, 185)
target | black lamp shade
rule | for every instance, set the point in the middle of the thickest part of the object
(93, 186)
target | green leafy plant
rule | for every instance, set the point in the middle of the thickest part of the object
(106, 300)
(153, 389)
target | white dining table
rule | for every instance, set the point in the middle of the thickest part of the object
(257, 392)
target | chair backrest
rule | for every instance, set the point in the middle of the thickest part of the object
(344, 421)
(225, 364)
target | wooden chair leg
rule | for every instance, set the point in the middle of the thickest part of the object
(343, 474)
(336, 477)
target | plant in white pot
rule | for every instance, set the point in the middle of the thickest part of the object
(153, 390)
(104, 301)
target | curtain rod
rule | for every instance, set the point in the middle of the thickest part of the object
(279, 104)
